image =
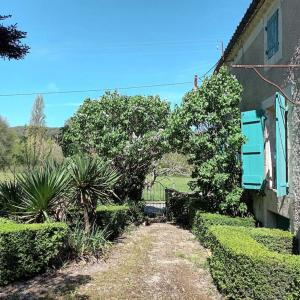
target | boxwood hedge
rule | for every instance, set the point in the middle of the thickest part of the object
(113, 218)
(203, 221)
(6, 221)
(27, 249)
(244, 268)
(274, 239)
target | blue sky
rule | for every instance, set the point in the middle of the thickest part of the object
(96, 44)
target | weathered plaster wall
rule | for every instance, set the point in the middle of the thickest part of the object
(258, 94)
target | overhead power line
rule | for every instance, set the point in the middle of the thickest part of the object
(106, 89)
(96, 90)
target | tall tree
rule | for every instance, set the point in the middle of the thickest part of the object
(127, 130)
(206, 127)
(10, 41)
(37, 114)
(35, 144)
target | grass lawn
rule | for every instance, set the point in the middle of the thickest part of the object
(156, 193)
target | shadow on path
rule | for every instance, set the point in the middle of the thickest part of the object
(53, 286)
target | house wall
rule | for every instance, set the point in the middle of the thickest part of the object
(250, 49)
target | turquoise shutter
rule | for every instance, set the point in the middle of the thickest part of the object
(253, 150)
(281, 158)
(272, 35)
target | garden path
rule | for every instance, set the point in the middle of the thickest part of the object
(160, 261)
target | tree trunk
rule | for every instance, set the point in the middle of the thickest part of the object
(86, 217)
(87, 225)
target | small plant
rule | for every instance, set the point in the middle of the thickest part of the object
(136, 212)
(84, 244)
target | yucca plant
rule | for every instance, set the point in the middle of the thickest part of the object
(93, 181)
(43, 191)
(10, 196)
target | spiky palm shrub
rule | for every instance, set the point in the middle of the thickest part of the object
(92, 180)
(43, 191)
(10, 196)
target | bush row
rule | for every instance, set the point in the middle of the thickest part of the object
(249, 262)
(244, 268)
(202, 222)
(6, 221)
(27, 249)
(113, 218)
(274, 239)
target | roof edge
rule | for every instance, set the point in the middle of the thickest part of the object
(248, 17)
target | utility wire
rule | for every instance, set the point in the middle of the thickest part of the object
(96, 90)
(108, 89)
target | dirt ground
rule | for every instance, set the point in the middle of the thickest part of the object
(160, 261)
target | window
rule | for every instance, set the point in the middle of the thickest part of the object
(272, 30)
(264, 158)
(270, 148)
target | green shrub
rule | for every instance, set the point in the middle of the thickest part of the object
(181, 207)
(274, 239)
(27, 249)
(113, 219)
(4, 221)
(243, 268)
(203, 221)
(83, 244)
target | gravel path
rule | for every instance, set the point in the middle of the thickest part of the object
(160, 261)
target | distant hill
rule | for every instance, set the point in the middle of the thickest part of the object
(51, 131)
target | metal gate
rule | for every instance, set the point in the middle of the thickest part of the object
(155, 193)
(155, 201)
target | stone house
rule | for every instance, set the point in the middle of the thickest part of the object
(268, 34)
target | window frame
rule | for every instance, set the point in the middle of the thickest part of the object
(272, 30)
(277, 55)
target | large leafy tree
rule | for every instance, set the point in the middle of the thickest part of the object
(11, 46)
(126, 130)
(206, 127)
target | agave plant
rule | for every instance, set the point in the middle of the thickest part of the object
(93, 180)
(43, 190)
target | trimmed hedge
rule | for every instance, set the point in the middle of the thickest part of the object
(203, 221)
(113, 218)
(6, 221)
(27, 249)
(243, 268)
(274, 239)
